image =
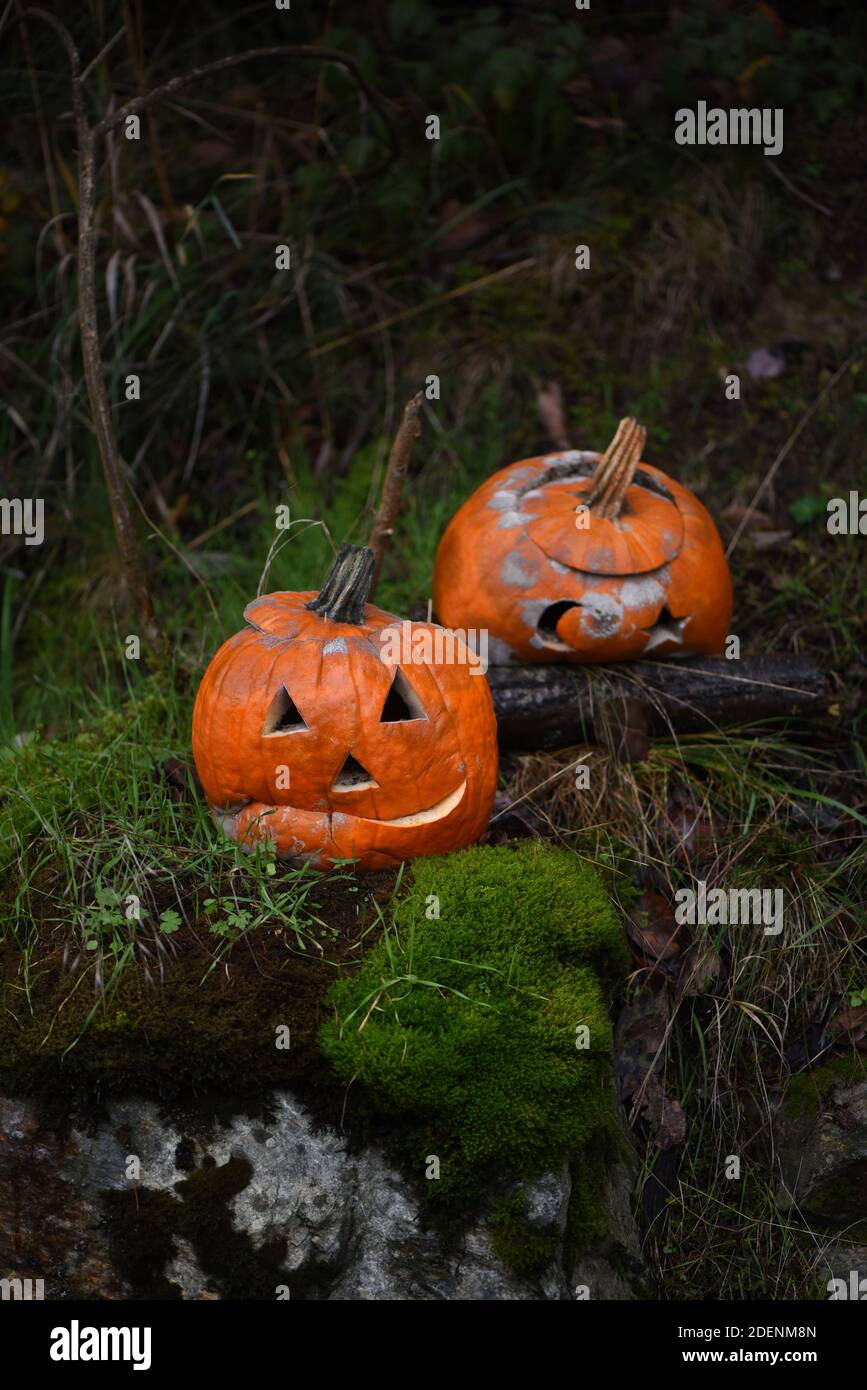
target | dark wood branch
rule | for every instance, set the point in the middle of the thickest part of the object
(94, 376)
(287, 50)
(555, 706)
(392, 488)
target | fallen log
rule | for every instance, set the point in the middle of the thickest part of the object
(554, 706)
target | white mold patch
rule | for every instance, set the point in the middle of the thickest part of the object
(506, 503)
(602, 615)
(514, 518)
(513, 571)
(569, 456)
(337, 644)
(642, 591)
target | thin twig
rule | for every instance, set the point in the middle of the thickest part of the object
(428, 304)
(804, 197)
(103, 53)
(561, 771)
(286, 50)
(131, 563)
(793, 437)
(88, 136)
(392, 488)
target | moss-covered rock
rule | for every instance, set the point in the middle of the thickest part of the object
(807, 1091)
(478, 1023)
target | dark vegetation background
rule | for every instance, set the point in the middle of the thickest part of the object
(456, 258)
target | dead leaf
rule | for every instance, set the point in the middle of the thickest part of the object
(462, 228)
(549, 403)
(738, 512)
(851, 1026)
(601, 122)
(691, 827)
(654, 934)
(745, 79)
(179, 779)
(210, 153)
(767, 540)
(664, 1115)
(700, 969)
(639, 1046)
(639, 1038)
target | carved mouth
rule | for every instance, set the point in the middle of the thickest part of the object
(667, 628)
(228, 817)
(546, 624)
(433, 813)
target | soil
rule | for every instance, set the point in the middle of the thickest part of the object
(200, 1037)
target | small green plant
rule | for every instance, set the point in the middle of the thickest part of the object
(103, 922)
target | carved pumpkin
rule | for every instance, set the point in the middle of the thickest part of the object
(310, 731)
(587, 558)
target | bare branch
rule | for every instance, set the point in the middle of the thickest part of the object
(103, 53)
(176, 84)
(130, 558)
(392, 488)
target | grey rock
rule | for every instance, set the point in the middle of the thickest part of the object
(345, 1225)
(823, 1158)
(846, 1262)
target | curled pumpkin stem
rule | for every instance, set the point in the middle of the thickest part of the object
(347, 586)
(615, 469)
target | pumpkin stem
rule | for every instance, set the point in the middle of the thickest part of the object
(615, 469)
(347, 586)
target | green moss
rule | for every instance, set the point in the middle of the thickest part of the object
(808, 1089)
(840, 1200)
(462, 1026)
(521, 1248)
(199, 1036)
(587, 1218)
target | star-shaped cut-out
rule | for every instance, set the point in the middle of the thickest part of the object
(666, 629)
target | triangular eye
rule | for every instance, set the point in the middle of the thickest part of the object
(352, 776)
(283, 716)
(401, 702)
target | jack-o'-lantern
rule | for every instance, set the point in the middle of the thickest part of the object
(338, 732)
(584, 557)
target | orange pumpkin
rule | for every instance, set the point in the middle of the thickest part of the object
(586, 558)
(316, 729)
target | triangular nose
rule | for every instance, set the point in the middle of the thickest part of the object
(352, 776)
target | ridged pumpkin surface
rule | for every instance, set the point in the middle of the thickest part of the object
(559, 567)
(385, 760)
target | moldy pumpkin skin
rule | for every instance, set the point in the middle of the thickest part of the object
(651, 579)
(420, 781)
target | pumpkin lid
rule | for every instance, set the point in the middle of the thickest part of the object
(616, 522)
(342, 599)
